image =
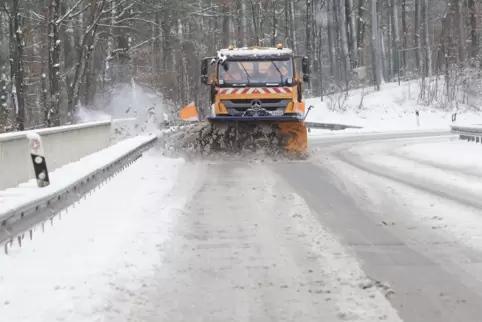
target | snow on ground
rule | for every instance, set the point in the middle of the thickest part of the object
(448, 166)
(458, 154)
(98, 260)
(391, 109)
(390, 156)
(64, 176)
(411, 210)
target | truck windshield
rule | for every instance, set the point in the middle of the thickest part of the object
(256, 72)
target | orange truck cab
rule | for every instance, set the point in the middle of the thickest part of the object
(258, 82)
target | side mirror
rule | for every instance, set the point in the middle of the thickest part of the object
(305, 64)
(306, 78)
(225, 65)
(204, 71)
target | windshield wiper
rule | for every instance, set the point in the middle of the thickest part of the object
(279, 71)
(247, 74)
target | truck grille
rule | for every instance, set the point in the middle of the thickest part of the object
(272, 106)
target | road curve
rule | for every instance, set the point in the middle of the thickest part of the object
(435, 277)
(265, 240)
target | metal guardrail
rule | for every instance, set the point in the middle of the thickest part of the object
(15, 223)
(470, 133)
(330, 126)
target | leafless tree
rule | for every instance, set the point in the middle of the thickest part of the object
(59, 55)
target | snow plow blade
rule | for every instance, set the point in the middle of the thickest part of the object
(274, 134)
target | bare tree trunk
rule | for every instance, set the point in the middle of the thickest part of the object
(361, 28)
(331, 40)
(4, 111)
(19, 66)
(405, 34)
(244, 23)
(53, 118)
(353, 32)
(396, 37)
(308, 41)
(226, 33)
(274, 33)
(474, 46)
(426, 37)
(343, 39)
(293, 25)
(377, 70)
(461, 30)
(84, 56)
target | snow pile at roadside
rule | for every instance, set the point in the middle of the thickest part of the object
(392, 109)
(64, 176)
(457, 155)
(98, 260)
(448, 174)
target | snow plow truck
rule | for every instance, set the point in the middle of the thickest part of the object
(256, 101)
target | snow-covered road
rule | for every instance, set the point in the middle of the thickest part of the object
(409, 210)
(366, 230)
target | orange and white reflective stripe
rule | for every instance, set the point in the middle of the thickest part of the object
(256, 90)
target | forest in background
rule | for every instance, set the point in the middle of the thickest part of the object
(59, 55)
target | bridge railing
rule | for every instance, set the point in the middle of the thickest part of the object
(62, 145)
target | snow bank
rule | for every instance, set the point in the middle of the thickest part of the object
(63, 177)
(461, 155)
(393, 108)
(417, 210)
(98, 260)
(427, 162)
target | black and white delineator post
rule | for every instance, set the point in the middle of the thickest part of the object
(38, 159)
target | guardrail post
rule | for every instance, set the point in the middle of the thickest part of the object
(454, 117)
(38, 159)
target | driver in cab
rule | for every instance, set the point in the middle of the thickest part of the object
(274, 74)
(234, 73)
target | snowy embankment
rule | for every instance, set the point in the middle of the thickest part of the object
(457, 155)
(426, 183)
(98, 260)
(63, 177)
(391, 109)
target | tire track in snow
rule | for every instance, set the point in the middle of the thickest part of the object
(454, 194)
(248, 248)
(425, 290)
(454, 169)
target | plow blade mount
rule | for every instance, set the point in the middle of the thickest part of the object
(285, 134)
